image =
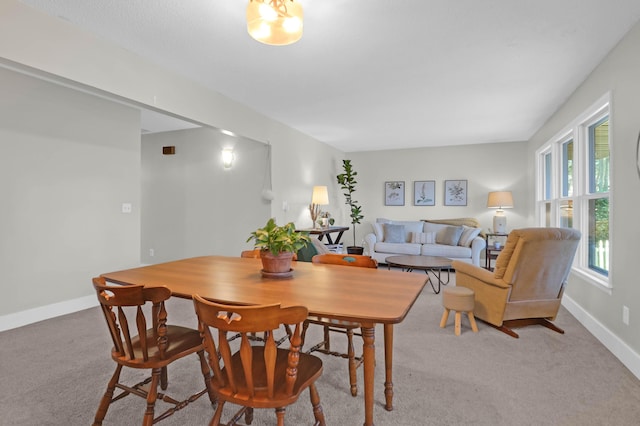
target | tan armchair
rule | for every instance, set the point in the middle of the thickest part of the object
(528, 282)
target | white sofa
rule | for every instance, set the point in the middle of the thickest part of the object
(447, 238)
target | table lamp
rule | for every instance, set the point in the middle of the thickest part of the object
(319, 197)
(500, 200)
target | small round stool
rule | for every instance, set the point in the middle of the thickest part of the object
(459, 299)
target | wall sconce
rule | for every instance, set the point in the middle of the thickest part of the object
(319, 197)
(500, 200)
(227, 158)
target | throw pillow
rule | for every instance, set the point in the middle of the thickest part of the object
(449, 235)
(468, 234)
(423, 237)
(394, 233)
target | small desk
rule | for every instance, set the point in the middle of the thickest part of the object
(491, 252)
(321, 232)
(330, 291)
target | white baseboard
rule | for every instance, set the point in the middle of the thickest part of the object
(18, 319)
(620, 349)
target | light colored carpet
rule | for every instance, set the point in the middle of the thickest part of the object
(54, 373)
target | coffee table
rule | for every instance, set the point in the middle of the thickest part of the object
(433, 264)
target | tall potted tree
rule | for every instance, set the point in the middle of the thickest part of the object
(277, 246)
(348, 183)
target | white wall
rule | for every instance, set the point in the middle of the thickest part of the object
(106, 164)
(191, 205)
(68, 162)
(486, 167)
(620, 74)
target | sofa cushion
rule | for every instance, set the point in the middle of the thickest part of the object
(423, 237)
(433, 227)
(378, 230)
(450, 235)
(468, 234)
(394, 233)
(443, 250)
(398, 248)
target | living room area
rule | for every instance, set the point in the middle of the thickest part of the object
(74, 155)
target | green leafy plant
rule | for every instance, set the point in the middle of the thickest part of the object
(279, 239)
(348, 183)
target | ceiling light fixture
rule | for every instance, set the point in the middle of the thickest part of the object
(275, 22)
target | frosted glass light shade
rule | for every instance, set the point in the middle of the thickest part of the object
(275, 22)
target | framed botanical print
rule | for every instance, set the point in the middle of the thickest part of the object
(455, 192)
(394, 193)
(424, 193)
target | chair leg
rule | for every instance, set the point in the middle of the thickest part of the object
(152, 396)
(280, 415)
(248, 415)
(305, 326)
(215, 420)
(472, 321)
(327, 342)
(106, 398)
(164, 379)
(206, 373)
(353, 380)
(445, 317)
(315, 403)
(457, 323)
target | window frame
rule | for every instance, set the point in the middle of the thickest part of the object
(578, 132)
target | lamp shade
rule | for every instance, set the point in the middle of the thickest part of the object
(500, 200)
(320, 195)
(275, 22)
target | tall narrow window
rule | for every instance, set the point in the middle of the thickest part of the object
(567, 168)
(599, 161)
(574, 188)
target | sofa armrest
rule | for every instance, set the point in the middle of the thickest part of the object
(477, 245)
(369, 243)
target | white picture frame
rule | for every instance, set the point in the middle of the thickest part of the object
(424, 193)
(455, 192)
(394, 193)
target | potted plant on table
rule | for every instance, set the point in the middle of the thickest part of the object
(277, 246)
(348, 183)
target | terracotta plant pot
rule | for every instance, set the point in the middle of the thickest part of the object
(278, 264)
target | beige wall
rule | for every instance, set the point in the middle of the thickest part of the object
(486, 167)
(191, 205)
(618, 73)
(69, 160)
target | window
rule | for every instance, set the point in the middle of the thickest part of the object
(574, 186)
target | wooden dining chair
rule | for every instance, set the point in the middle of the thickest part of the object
(160, 345)
(257, 375)
(255, 254)
(251, 254)
(338, 326)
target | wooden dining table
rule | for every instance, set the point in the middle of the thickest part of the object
(363, 295)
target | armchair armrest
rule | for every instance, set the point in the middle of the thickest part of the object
(491, 294)
(476, 273)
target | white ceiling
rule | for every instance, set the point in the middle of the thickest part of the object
(378, 74)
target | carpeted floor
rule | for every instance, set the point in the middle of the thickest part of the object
(54, 373)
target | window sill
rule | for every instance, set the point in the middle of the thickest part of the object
(593, 279)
